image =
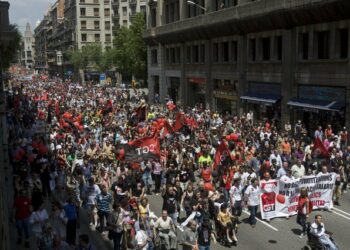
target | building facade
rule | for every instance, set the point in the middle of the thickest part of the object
(27, 48)
(41, 49)
(283, 59)
(125, 10)
(71, 24)
(7, 228)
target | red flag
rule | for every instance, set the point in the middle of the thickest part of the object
(179, 122)
(221, 152)
(191, 122)
(142, 149)
(171, 106)
(320, 149)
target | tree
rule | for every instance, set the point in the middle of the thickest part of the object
(130, 51)
(8, 53)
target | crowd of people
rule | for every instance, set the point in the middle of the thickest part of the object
(64, 140)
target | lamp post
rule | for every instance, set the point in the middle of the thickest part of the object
(196, 4)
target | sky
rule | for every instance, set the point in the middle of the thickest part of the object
(23, 11)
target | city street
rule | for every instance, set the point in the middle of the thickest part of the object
(280, 233)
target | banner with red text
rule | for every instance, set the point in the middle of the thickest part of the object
(280, 198)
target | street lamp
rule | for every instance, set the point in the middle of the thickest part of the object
(196, 4)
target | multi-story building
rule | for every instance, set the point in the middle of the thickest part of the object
(27, 48)
(284, 59)
(41, 49)
(7, 231)
(72, 24)
(125, 10)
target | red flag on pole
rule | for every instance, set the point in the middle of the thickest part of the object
(221, 153)
(179, 122)
(320, 149)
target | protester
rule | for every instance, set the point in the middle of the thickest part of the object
(101, 146)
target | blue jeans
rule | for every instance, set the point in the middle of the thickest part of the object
(328, 243)
(204, 247)
(147, 178)
(23, 226)
(253, 210)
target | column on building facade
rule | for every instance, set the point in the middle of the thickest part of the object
(162, 79)
(150, 77)
(288, 72)
(242, 69)
(208, 83)
(347, 109)
(160, 13)
(183, 82)
(183, 9)
(209, 5)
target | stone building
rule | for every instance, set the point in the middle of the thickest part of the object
(27, 48)
(284, 59)
(125, 10)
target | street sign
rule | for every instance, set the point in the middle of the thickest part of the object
(102, 77)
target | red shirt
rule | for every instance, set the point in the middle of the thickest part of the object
(302, 206)
(22, 206)
(206, 174)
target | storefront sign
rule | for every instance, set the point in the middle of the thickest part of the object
(196, 80)
(322, 93)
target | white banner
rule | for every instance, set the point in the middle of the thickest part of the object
(280, 198)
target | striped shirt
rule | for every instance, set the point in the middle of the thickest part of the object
(103, 202)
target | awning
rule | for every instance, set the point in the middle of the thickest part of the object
(316, 104)
(261, 98)
(196, 80)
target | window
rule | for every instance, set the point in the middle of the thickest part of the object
(252, 49)
(195, 53)
(107, 25)
(216, 52)
(96, 1)
(304, 46)
(96, 12)
(97, 25)
(153, 17)
(188, 54)
(108, 38)
(133, 10)
(266, 48)
(125, 23)
(167, 55)
(125, 10)
(278, 47)
(172, 55)
(29, 53)
(178, 55)
(83, 37)
(143, 9)
(107, 12)
(234, 50)
(83, 24)
(202, 53)
(82, 1)
(323, 44)
(154, 56)
(343, 43)
(82, 11)
(224, 52)
(97, 38)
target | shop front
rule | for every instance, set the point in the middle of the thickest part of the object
(319, 106)
(225, 96)
(264, 100)
(196, 91)
(174, 89)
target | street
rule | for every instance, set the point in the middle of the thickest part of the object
(280, 233)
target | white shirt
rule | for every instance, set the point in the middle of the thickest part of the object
(285, 178)
(253, 195)
(141, 238)
(298, 172)
(91, 192)
(235, 194)
(317, 230)
(37, 220)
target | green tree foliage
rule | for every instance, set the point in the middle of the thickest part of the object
(91, 56)
(130, 51)
(9, 52)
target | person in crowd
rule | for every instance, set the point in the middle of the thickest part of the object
(85, 243)
(103, 202)
(318, 229)
(116, 226)
(70, 209)
(252, 199)
(226, 220)
(303, 210)
(37, 220)
(165, 229)
(22, 206)
(190, 236)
